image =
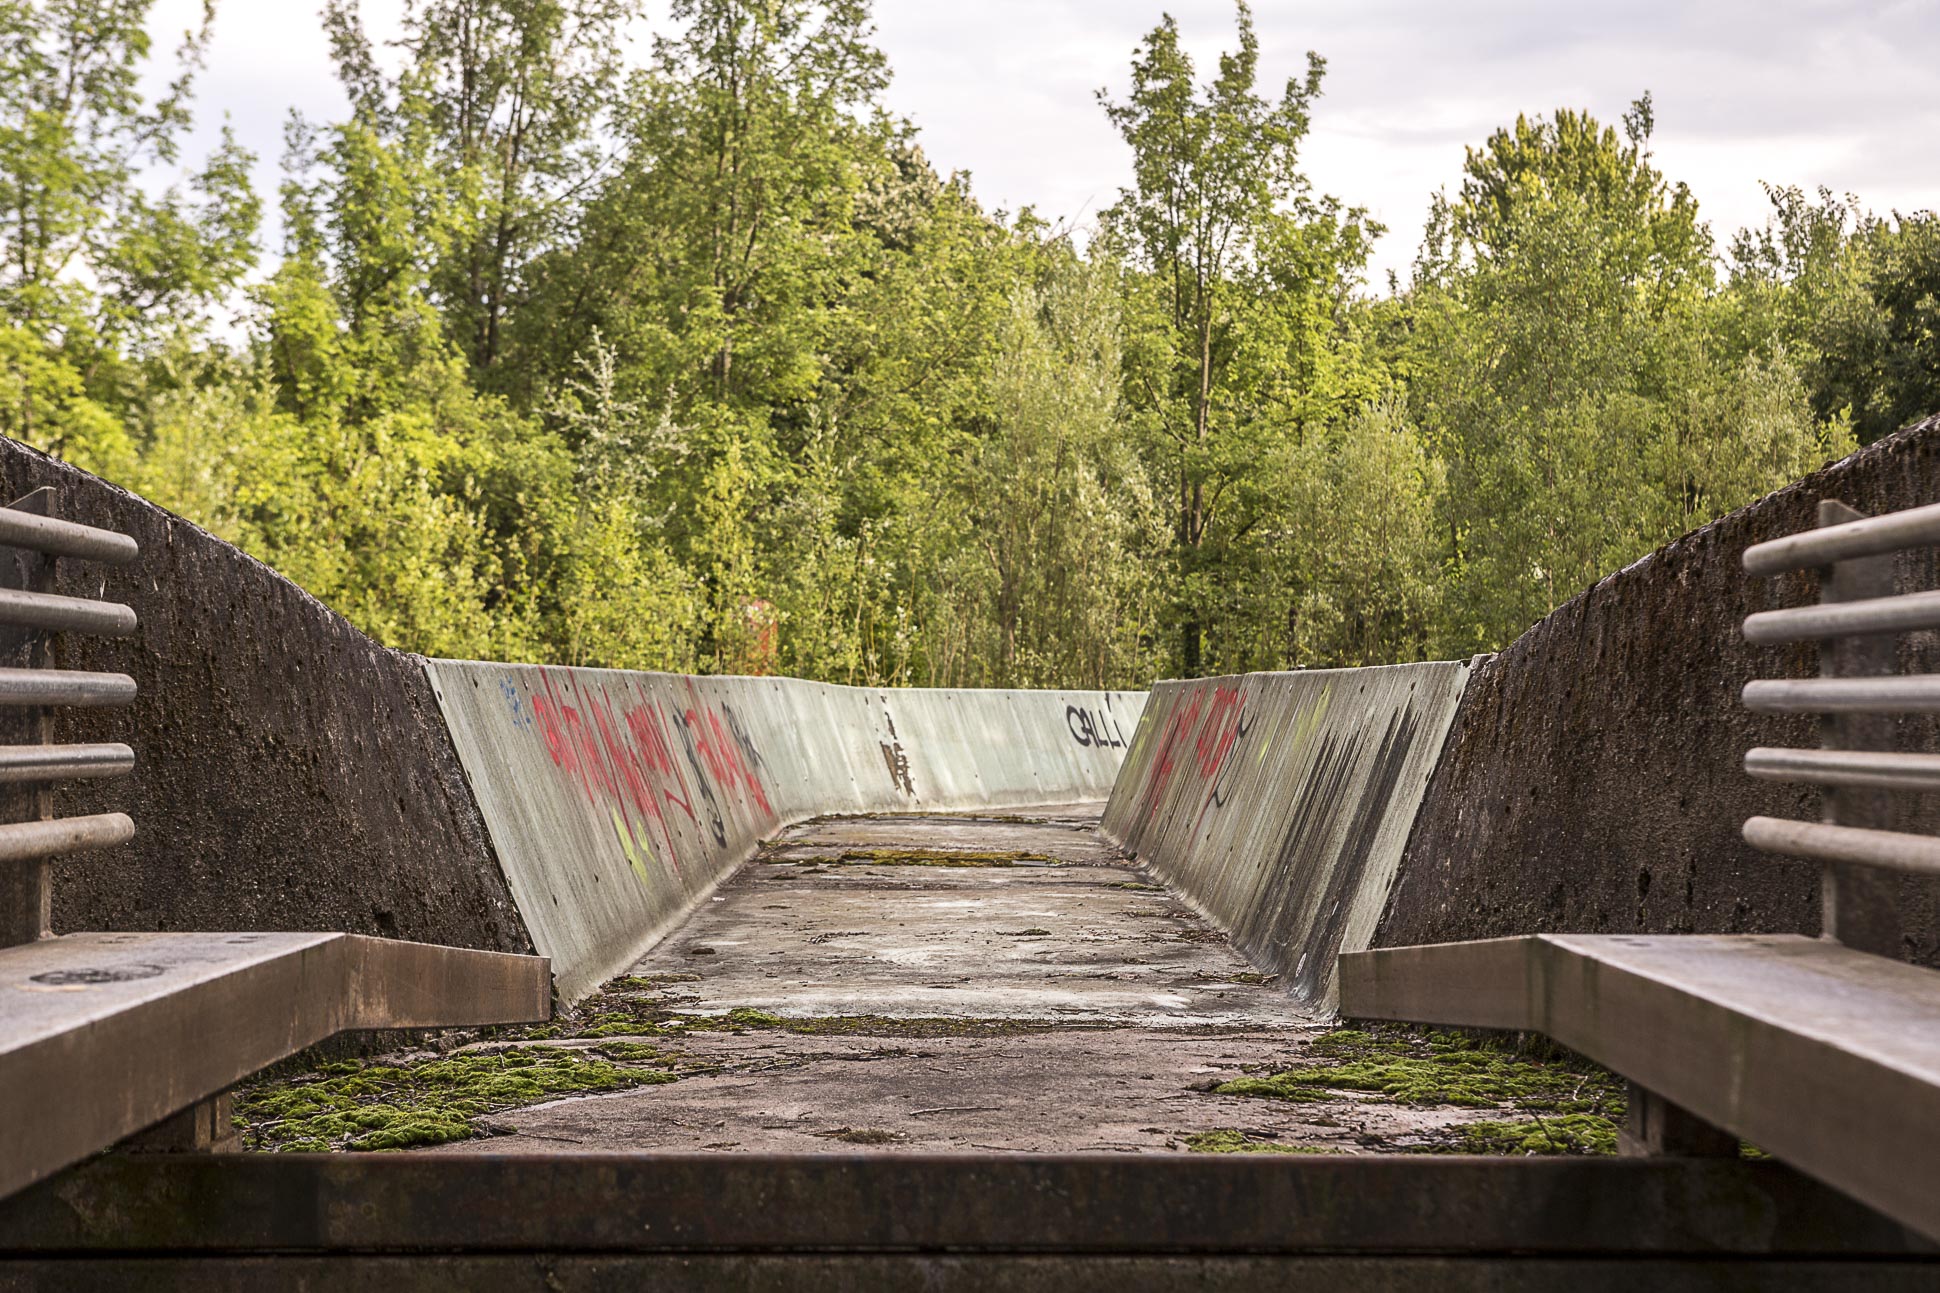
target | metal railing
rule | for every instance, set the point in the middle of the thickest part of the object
(32, 541)
(1857, 694)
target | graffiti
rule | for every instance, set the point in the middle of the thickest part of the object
(1200, 734)
(627, 762)
(898, 763)
(1093, 728)
(521, 715)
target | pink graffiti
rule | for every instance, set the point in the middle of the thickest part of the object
(627, 762)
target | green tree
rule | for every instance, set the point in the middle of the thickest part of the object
(1218, 196)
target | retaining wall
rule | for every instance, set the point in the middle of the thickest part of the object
(1279, 803)
(289, 772)
(618, 800)
(1594, 782)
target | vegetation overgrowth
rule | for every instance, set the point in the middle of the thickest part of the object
(695, 360)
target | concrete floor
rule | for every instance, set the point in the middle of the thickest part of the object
(1056, 1005)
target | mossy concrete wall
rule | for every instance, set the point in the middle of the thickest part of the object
(1593, 781)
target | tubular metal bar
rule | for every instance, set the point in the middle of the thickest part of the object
(65, 538)
(1877, 695)
(1891, 850)
(1879, 769)
(1863, 538)
(60, 614)
(64, 687)
(1838, 619)
(64, 762)
(29, 841)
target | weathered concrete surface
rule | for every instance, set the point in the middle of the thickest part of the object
(1021, 1007)
(1279, 803)
(617, 800)
(290, 773)
(1593, 780)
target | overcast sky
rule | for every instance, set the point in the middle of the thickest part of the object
(1807, 92)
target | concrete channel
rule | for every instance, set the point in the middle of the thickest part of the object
(968, 982)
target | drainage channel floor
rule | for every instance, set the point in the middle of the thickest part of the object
(958, 983)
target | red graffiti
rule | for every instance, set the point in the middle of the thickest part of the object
(1211, 730)
(628, 763)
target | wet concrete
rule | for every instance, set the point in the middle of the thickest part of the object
(1063, 1001)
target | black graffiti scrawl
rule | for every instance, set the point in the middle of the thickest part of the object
(1095, 727)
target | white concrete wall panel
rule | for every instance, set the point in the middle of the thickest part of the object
(1280, 803)
(616, 800)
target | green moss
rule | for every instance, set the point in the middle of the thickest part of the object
(1570, 1133)
(937, 857)
(430, 1102)
(1440, 1069)
(1228, 1140)
(1139, 886)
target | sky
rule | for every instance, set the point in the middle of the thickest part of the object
(1804, 92)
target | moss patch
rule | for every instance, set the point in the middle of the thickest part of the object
(932, 857)
(1230, 1140)
(369, 1106)
(1569, 1133)
(1442, 1069)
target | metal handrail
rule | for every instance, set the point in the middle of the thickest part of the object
(27, 526)
(1869, 536)
(60, 538)
(1878, 769)
(1855, 696)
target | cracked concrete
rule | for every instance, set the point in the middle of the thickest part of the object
(1064, 1001)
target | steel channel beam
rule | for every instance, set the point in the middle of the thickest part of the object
(1825, 1056)
(1882, 769)
(64, 762)
(56, 614)
(59, 538)
(1868, 537)
(65, 687)
(102, 1035)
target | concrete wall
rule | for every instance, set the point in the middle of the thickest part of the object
(1593, 780)
(618, 800)
(290, 773)
(1279, 803)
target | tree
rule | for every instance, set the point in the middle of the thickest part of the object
(1217, 190)
(500, 106)
(93, 267)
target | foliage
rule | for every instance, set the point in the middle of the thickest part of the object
(693, 360)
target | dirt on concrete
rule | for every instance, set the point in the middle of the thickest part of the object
(975, 983)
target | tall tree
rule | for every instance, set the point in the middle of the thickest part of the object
(1216, 182)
